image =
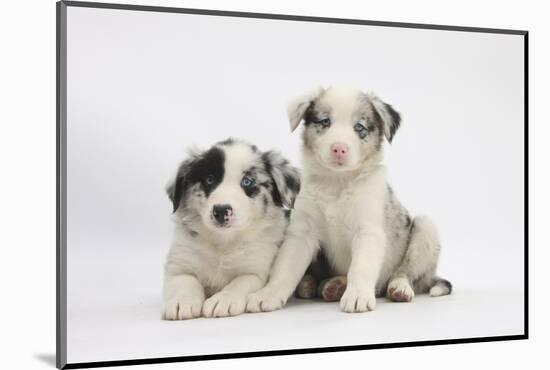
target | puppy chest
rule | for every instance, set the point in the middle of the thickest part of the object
(219, 269)
(338, 253)
(212, 272)
(338, 219)
(337, 234)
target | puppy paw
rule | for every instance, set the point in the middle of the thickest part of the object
(182, 308)
(265, 300)
(400, 290)
(307, 288)
(223, 304)
(331, 290)
(356, 300)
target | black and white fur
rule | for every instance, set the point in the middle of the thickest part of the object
(347, 209)
(231, 205)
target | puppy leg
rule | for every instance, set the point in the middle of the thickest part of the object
(307, 287)
(419, 263)
(318, 271)
(183, 297)
(292, 260)
(231, 300)
(290, 264)
(367, 256)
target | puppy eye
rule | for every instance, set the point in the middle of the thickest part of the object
(325, 122)
(210, 179)
(359, 127)
(247, 181)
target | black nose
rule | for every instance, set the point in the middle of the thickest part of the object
(222, 213)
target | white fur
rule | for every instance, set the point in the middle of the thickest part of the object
(227, 270)
(347, 213)
(342, 207)
(437, 291)
(211, 270)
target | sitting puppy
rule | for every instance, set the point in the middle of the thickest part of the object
(231, 209)
(347, 209)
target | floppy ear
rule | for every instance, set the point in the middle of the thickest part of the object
(391, 119)
(286, 179)
(297, 108)
(177, 188)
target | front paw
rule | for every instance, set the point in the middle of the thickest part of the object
(223, 304)
(357, 300)
(265, 300)
(182, 308)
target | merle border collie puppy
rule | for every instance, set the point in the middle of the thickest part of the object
(230, 211)
(347, 209)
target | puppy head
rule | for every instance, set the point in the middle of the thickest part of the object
(231, 185)
(343, 127)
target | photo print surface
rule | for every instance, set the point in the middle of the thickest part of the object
(144, 87)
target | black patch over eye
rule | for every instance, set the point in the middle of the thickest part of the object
(209, 170)
(209, 183)
(206, 169)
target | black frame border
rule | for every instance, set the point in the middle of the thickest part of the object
(61, 183)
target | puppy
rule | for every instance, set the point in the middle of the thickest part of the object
(230, 211)
(347, 209)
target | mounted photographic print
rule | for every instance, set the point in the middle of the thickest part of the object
(240, 184)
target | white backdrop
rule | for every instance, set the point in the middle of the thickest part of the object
(144, 86)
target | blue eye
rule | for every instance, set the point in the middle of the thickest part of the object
(359, 127)
(247, 182)
(325, 122)
(210, 179)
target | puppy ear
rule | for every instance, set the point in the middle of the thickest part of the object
(390, 118)
(177, 187)
(297, 108)
(286, 179)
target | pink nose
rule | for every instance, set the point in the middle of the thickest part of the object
(339, 151)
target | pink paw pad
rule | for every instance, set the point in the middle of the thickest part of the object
(398, 296)
(331, 290)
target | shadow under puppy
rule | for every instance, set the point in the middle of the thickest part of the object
(230, 211)
(320, 281)
(347, 210)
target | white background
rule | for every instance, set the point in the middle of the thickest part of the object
(30, 199)
(142, 86)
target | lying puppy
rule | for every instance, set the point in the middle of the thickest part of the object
(347, 208)
(231, 213)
